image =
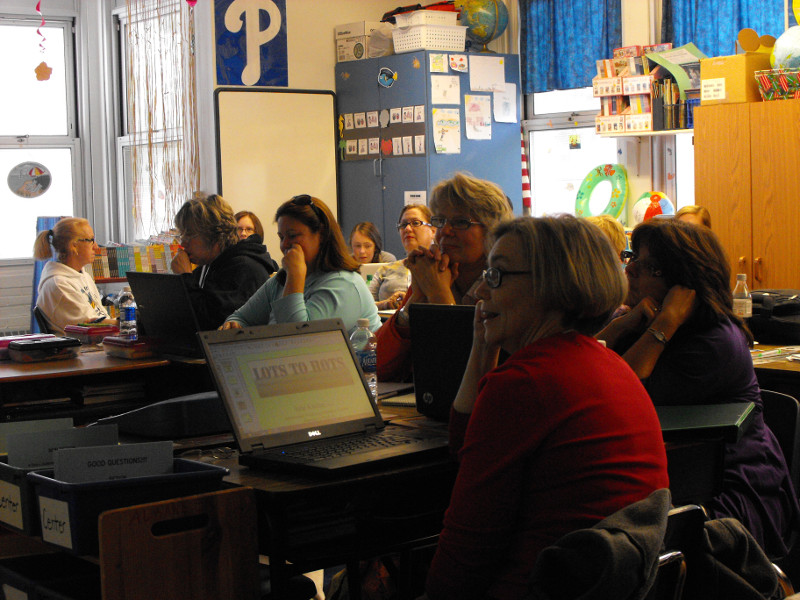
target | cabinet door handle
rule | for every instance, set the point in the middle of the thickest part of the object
(757, 268)
(377, 167)
(742, 264)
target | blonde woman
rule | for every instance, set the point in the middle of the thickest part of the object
(698, 215)
(614, 231)
(67, 293)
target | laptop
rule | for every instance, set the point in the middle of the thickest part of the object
(367, 270)
(166, 313)
(295, 395)
(441, 340)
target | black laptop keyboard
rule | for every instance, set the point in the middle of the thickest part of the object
(344, 446)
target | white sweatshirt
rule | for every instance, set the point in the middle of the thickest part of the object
(67, 297)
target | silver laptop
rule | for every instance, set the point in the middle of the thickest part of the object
(297, 400)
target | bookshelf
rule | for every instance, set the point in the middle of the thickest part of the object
(646, 133)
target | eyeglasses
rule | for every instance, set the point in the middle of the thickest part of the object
(90, 240)
(185, 239)
(413, 222)
(459, 223)
(494, 276)
(245, 230)
(306, 200)
(631, 259)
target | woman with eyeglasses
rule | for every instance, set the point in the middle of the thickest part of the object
(390, 282)
(561, 434)
(687, 346)
(229, 271)
(319, 278)
(464, 209)
(247, 224)
(367, 244)
(67, 293)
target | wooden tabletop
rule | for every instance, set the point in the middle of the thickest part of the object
(776, 363)
(86, 363)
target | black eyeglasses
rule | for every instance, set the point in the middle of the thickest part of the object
(459, 223)
(494, 276)
(90, 240)
(413, 222)
(306, 200)
(631, 259)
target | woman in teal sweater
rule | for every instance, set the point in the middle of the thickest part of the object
(318, 279)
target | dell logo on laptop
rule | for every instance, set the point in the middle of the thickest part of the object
(314, 433)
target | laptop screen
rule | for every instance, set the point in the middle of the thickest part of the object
(279, 388)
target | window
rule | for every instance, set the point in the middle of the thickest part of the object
(562, 148)
(157, 151)
(39, 158)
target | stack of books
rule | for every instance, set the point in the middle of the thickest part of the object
(115, 261)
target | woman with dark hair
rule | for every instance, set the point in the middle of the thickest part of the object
(558, 437)
(229, 271)
(367, 244)
(247, 224)
(687, 346)
(67, 293)
(319, 278)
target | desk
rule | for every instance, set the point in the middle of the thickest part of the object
(25, 388)
(778, 375)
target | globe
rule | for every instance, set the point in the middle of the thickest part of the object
(485, 20)
(786, 52)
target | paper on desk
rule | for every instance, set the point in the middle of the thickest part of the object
(35, 450)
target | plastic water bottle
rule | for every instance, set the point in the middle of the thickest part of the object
(127, 315)
(742, 301)
(365, 344)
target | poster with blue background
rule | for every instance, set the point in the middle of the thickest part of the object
(251, 42)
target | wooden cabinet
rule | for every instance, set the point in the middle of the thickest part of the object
(747, 173)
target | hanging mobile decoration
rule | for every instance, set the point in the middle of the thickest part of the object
(38, 29)
(42, 71)
(191, 2)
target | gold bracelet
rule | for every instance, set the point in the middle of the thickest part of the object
(659, 335)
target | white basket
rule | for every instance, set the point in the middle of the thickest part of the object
(426, 17)
(429, 37)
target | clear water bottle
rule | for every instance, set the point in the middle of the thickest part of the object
(742, 301)
(365, 344)
(127, 315)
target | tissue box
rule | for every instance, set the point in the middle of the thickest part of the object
(730, 79)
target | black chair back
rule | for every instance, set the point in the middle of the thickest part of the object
(40, 320)
(782, 416)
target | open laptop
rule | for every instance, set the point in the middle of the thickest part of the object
(367, 270)
(165, 311)
(441, 340)
(294, 390)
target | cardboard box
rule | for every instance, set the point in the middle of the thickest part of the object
(352, 39)
(731, 79)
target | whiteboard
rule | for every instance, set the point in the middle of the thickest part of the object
(272, 145)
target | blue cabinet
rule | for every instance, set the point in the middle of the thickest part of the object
(373, 186)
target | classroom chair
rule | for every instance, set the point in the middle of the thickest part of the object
(782, 416)
(38, 315)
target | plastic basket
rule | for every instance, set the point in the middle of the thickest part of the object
(18, 508)
(429, 37)
(85, 501)
(27, 575)
(778, 84)
(426, 17)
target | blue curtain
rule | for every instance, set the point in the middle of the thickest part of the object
(42, 224)
(712, 25)
(562, 39)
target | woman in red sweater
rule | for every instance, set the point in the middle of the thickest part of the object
(559, 436)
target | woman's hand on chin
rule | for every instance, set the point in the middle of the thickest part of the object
(433, 276)
(679, 305)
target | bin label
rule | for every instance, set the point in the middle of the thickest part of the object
(55, 522)
(12, 593)
(10, 504)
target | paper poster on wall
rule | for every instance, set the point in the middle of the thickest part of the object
(505, 104)
(447, 130)
(362, 147)
(384, 118)
(352, 147)
(487, 73)
(478, 117)
(360, 120)
(458, 62)
(348, 121)
(396, 115)
(438, 63)
(251, 43)
(372, 118)
(419, 113)
(397, 146)
(445, 89)
(408, 144)
(419, 144)
(374, 145)
(420, 197)
(408, 114)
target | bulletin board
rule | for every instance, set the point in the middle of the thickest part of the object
(273, 144)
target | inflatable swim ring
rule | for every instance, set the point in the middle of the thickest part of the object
(613, 173)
